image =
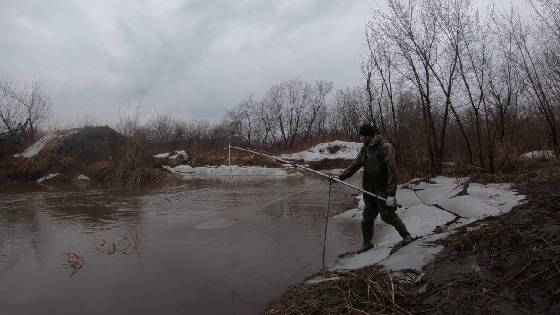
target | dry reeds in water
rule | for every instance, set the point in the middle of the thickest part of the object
(73, 261)
(127, 245)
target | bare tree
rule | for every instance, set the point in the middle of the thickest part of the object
(289, 101)
(315, 106)
(413, 32)
(348, 111)
(535, 60)
(542, 68)
(130, 118)
(25, 108)
(241, 121)
(12, 115)
(265, 123)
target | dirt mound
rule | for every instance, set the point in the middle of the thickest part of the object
(100, 153)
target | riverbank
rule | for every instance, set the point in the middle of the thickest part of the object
(502, 264)
(101, 156)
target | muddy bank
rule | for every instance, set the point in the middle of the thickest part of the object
(506, 264)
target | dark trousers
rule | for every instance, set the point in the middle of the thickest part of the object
(373, 207)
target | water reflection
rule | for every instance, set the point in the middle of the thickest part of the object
(206, 246)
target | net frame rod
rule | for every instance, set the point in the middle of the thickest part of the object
(312, 171)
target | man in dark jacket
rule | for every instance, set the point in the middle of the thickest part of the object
(377, 156)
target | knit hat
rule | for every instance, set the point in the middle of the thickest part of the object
(368, 130)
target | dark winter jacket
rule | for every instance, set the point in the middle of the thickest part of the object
(380, 167)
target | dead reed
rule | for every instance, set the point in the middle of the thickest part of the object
(73, 261)
(369, 290)
(126, 245)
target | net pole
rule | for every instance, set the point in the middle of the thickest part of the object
(231, 171)
(331, 178)
(326, 224)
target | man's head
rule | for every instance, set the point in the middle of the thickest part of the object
(367, 133)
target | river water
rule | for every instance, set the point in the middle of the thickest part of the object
(205, 246)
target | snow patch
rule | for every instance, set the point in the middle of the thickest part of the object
(172, 155)
(500, 196)
(407, 198)
(542, 154)
(36, 147)
(469, 207)
(340, 150)
(83, 177)
(371, 257)
(422, 220)
(421, 216)
(45, 178)
(437, 189)
(352, 214)
(162, 155)
(415, 255)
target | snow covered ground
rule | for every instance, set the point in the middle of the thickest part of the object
(329, 150)
(442, 204)
(171, 155)
(36, 147)
(46, 178)
(544, 154)
(189, 172)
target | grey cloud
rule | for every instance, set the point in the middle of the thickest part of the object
(194, 60)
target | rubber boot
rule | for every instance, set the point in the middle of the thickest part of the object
(407, 240)
(367, 235)
(400, 227)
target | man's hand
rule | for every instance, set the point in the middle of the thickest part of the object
(391, 201)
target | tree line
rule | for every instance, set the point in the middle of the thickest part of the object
(442, 80)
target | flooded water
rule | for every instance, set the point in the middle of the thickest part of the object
(206, 246)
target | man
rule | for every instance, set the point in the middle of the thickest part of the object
(377, 156)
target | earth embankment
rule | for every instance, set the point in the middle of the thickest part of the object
(98, 153)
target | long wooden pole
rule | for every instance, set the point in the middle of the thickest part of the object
(331, 178)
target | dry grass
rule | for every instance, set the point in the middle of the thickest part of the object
(368, 290)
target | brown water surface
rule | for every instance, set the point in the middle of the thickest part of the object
(206, 246)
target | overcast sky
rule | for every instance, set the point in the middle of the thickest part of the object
(188, 58)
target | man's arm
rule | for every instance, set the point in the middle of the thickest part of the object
(354, 167)
(389, 157)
